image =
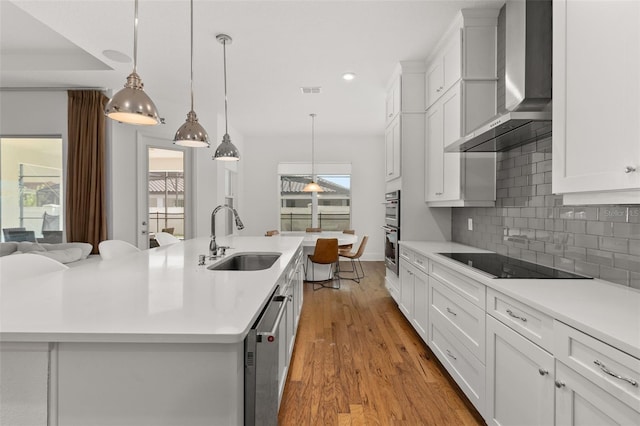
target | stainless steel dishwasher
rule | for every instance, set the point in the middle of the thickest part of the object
(261, 362)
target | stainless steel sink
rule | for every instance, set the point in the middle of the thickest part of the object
(246, 262)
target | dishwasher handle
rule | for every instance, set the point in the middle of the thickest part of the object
(270, 335)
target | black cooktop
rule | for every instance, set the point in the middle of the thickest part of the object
(507, 267)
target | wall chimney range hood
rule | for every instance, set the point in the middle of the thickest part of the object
(526, 116)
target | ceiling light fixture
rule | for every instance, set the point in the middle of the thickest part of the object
(348, 76)
(132, 105)
(191, 133)
(312, 186)
(226, 151)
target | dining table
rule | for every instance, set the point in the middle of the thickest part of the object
(317, 272)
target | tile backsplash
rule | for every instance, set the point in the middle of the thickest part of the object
(530, 223)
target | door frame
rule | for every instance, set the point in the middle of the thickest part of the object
(144, 142)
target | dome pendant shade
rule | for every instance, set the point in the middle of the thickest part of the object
(191, 133)
(227, 151)
(131, 105)
(312, 187)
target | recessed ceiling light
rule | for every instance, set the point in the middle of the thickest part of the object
(116, 56)
(348, 76)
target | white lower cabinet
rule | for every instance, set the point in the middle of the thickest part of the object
(519, 379)
(466, 369)
(581, 402)
(414, 295)
(406, 289)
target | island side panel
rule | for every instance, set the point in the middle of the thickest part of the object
(151, 384)
(24, 374)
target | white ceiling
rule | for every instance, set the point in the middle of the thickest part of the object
(278, 47)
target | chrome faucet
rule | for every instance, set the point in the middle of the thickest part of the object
(213, 246)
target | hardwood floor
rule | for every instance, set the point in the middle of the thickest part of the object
(358, 361)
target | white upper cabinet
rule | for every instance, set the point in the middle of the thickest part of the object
(596, 102)
(461, 84)
(393, 150)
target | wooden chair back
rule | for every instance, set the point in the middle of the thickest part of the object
(271, 233)
(168, 230)
(326, 251)
(314, 230)
(349, 231)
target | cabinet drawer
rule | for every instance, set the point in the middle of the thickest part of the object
(467, 371)
(421, 262)
(468, 288)
(531, 323)
(617, 372)
(465, 320)
(406, 254)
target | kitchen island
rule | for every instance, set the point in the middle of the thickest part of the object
(152, 338)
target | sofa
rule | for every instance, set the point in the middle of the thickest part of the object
(71, 254)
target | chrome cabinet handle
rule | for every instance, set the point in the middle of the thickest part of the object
(511, 314)
(543, 372)
(451, 355)
(559, 384)
(611, 373)
(438, 193)
(451, 312)
(629, 169)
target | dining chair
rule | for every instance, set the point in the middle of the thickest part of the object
(346, 247)
(168, 230)
(355, 257)
(25, 265)
(111, 249)
(271, 233)
(19, 234)
(164, 238)
(314, 230)
(325, 253)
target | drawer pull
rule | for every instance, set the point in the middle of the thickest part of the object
(451, 355)
(511, 314)
(611, 373)
(559, 384)
(451, 312)
(543, 372)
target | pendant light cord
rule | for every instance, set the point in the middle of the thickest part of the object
(224, 55)
(135, 38)
(313, 150)
(191, 55)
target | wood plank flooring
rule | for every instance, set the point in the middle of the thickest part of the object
(358, 361)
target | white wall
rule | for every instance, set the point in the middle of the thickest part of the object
(260, 208)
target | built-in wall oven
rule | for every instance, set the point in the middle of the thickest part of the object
(392, 230)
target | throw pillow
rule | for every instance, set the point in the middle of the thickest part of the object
(27, 247)
(85, 247)
(63, 256)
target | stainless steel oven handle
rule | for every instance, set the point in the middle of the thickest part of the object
(271, 335)
(389, 229)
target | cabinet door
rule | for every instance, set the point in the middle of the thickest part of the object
(435, 154)
(392, 150)
(580, 402)
(451, 131)
(421, 304)
(519, 379)
(452, 61)
(596, 97)
(406, 290)
(393, 100)
(434, 81)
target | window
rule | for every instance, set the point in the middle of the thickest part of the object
(166, 190)
(330, 210)
(32, 186)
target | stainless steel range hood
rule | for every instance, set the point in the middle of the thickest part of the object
(526, 115)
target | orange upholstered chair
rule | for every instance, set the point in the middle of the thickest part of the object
(356, 257)
(325, 253)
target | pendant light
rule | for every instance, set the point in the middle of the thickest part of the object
(132, 105)
(226, 151)
(191, 133)
(312, 186)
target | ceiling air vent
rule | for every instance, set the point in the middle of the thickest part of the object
(311, 90)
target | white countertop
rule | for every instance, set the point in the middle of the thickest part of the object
(157, 295)
(606, 311)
